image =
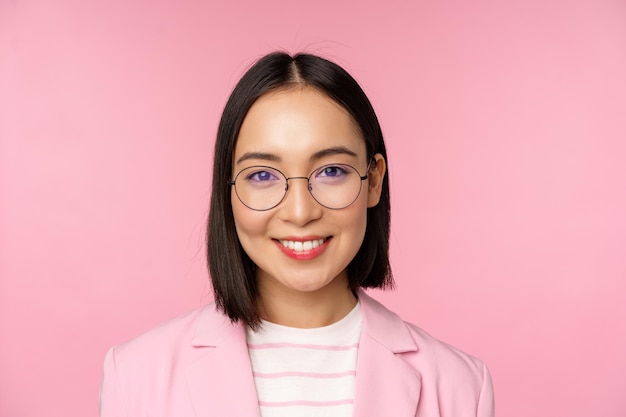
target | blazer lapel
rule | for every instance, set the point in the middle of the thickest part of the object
(385, 384)
(220, 381)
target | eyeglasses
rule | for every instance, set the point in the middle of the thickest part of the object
(334, 186)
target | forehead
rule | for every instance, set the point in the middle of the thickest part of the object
(297, 123)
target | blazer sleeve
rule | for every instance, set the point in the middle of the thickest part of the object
(486, 403)
(111, 404)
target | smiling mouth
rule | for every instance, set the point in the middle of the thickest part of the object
(301, 246)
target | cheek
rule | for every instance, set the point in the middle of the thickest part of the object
(248, 223)
(356, 219)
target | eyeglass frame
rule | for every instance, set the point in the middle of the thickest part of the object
(308, 180)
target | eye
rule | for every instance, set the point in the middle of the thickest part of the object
(332, 174)
(332, 171)
(262, 177)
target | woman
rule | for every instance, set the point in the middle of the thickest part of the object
(299, 224)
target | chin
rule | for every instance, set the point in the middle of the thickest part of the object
(308, 287)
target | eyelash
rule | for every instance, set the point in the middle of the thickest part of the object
(254, 176)
(338, 171)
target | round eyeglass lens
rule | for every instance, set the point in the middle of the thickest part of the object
(260, 187)
(335, 186)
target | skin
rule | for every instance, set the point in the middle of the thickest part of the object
(287, 130)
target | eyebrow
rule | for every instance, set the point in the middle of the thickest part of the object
(258, 155)
(336, 150)
(265, 156)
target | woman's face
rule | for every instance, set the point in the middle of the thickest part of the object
(299, 245)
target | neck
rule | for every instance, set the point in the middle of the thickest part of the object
(318, 308)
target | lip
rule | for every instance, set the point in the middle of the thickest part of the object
(303, 255)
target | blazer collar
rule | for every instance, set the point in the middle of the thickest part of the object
(213, 327)
(220, 380)
(385, 326)
(385, 384)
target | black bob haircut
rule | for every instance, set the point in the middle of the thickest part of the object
(232, 271)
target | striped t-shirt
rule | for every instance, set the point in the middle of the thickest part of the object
(306, 372)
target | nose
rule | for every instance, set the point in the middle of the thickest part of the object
(299, 206)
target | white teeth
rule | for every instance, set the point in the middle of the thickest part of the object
(299, 246)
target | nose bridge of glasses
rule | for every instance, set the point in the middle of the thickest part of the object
(308, 182)
(298, 203)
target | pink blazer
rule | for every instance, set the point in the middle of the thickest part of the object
(197, 365)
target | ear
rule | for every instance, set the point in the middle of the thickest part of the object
(376, 174)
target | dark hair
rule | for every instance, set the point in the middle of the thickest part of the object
(232, 271)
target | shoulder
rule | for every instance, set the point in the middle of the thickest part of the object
(437, 362)
(452, 382)
(442, 353)
(169, 342)
(443, 361)
(148, 373)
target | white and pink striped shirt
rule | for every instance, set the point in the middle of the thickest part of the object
(306, 372)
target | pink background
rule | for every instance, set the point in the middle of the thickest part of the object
(507, 138)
